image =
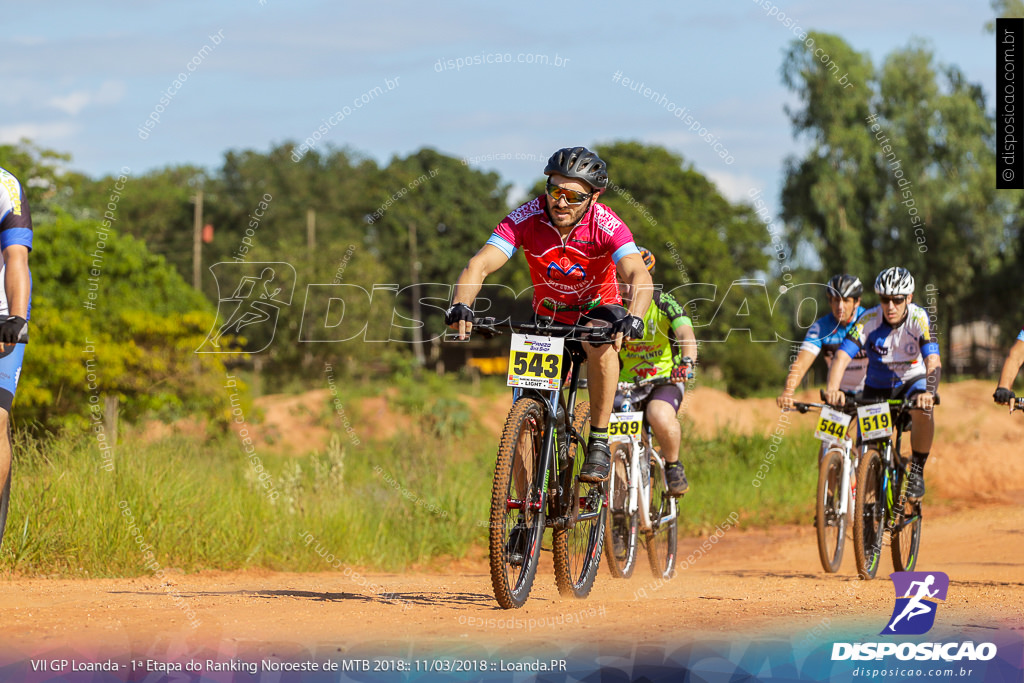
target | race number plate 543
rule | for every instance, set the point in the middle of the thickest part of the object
(832, 425)
(535, 361)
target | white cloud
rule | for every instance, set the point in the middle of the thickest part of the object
(111, 92)
(37, 132)
(735, 187)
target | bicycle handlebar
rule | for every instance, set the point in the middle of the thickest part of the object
(648, 381)
(489, 326)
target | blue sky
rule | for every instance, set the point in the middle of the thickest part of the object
(84, 77)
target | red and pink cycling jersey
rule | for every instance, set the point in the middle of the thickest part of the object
(573, 275)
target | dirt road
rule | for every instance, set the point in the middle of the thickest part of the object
(751, 584)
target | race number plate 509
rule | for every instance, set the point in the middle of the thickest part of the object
(832, 425)
(621, 426)
(875, 422)
(535, 362)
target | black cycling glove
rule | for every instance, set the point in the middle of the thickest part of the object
(631, 326)
(457, 313)
(13, 329)
(1003, 395)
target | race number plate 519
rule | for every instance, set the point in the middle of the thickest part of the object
(875, 422)
(832, 425)
(535, 362)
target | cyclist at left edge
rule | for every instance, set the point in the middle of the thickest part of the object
(15, 295)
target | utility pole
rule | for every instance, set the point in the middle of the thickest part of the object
(197, 242)
(311, 231)
(414, 273)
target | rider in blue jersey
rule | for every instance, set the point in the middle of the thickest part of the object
(825, 336)
(1004, 391)
(903, 362)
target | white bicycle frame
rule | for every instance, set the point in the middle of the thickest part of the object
(639, 493)
(846, 448)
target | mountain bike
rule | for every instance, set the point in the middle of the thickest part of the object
(837, 483)
(536, 476)
(882, 505)
(638, 498)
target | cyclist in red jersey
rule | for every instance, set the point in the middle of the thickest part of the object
(575, 248)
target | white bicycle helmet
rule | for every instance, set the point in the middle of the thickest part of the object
(894, 281)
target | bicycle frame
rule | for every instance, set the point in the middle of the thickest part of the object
(893, 467)
(639, 493)
(566, 516)
(551, 400)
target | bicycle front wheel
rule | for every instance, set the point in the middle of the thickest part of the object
(664, 535)
(831, 525)
(517, 515)
(869, 514)
(577, 545)
(620, 530)
(906, 534)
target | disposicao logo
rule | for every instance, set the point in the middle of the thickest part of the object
(914, 614)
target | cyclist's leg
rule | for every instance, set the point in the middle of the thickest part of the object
(602, 374)
(662, 410)
(10, 371)
(922, 433)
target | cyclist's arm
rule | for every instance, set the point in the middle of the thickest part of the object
(933, 368)
(633, 272)
(17, 283)
(797, 370)
(485, 262)
(687, 340)
(1011, 366)
(840, 361)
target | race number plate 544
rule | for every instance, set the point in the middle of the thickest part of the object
(535, 361)
(832, 425)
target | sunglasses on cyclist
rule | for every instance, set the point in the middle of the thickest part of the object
(570, 196)
(886, 300)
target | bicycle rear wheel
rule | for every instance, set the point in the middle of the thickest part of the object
(663, 536)
(869, 514)
(906, 534)
(831, 525)
(577, 546)
(516, 504)
(620, 531)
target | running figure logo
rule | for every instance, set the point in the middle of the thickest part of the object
(252, 309)
(916, 595)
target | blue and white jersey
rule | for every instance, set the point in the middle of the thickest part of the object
(15, 223)
(895, 354)
(826, 334)
(1020, 337)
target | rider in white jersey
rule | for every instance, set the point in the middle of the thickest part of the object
(903, 362)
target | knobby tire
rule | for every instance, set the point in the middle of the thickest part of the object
(831, 526)
(619, 522)
(577, 548)
(869, 514)
(516, 474)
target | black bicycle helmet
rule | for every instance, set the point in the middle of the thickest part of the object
(579, 163)
(845, 286)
